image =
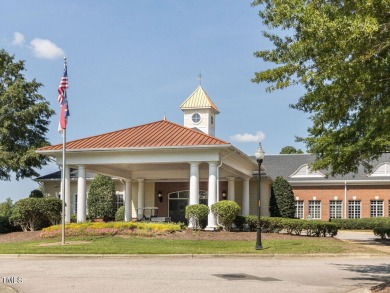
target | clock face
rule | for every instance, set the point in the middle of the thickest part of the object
(196, 118)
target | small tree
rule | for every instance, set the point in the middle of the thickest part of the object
(226, 211)
(101, 199)
(282, 199)
(5, 213)
(197, 215)
(6, 208)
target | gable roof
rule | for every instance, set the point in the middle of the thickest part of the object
(198, 99)
(152, 135)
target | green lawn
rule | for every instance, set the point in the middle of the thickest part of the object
(133, 245)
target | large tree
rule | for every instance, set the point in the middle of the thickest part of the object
(340, 52)
(24, 120)
(290, 150)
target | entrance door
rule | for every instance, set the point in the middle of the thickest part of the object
(177, 204)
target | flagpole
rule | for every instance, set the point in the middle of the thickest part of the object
(63, 184)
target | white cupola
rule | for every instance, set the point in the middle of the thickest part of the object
(199, 112)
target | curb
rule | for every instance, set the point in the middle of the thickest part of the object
(129, 256)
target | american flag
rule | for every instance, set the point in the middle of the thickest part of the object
(62, 99)
(63, 85)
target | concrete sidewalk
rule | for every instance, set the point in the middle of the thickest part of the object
(364, 238)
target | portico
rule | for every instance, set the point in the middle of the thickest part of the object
(144, 157)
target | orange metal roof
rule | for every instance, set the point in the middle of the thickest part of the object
(156, 134)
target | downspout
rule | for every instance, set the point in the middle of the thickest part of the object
(218, 172)
(345, 199)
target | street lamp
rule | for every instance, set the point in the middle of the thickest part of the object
(259, 158)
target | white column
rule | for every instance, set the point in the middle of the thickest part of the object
(194, 183)
(128, 200)
(67, 195)
(231, 188)
(245, 197)
(81, 195)
(212, 195)
(141, 198)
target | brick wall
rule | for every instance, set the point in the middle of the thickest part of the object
(354, 192)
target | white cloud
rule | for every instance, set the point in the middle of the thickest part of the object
(247, 137)
(18, 39)
(46, 49)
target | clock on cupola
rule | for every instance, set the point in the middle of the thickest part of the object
(199, 112)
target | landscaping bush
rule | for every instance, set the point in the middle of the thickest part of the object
(225, 211)
(5, 225)
(360, 224)
(33, 214)
(111, 228)
(291, 226)
(197, 215)
(101, 199)
(120, 214)
(382, 230)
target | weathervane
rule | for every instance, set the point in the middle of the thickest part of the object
(200, 78)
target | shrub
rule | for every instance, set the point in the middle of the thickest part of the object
(197, 215)
(382, 231)
(101, 200)
(120, 214)
(225, 211)
(5, 225)
(362, 223)
(51, 209)
(282, 199)
(27, 213)
(36, 213)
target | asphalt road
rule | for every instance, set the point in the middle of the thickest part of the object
(199, 274)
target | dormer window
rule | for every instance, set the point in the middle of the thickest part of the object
(196, 118)
(381, 170)
(305, 172)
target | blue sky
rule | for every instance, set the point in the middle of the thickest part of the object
(132, 62)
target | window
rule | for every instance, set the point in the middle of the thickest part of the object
(118, 201)
(196, 118)
(335, 209)
(376, 208)
(354, 209)
(315, 209)
(389, 208)
(299, 209)
(305, 171)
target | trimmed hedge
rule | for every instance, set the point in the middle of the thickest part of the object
(382, 231)
(361, 224)
(291, 226)
(226, 211)
(197, 214)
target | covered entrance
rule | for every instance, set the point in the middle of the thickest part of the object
(177, 204)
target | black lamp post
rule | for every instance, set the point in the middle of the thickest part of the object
(259, 158)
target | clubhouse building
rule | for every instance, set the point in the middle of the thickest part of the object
(161, 167)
